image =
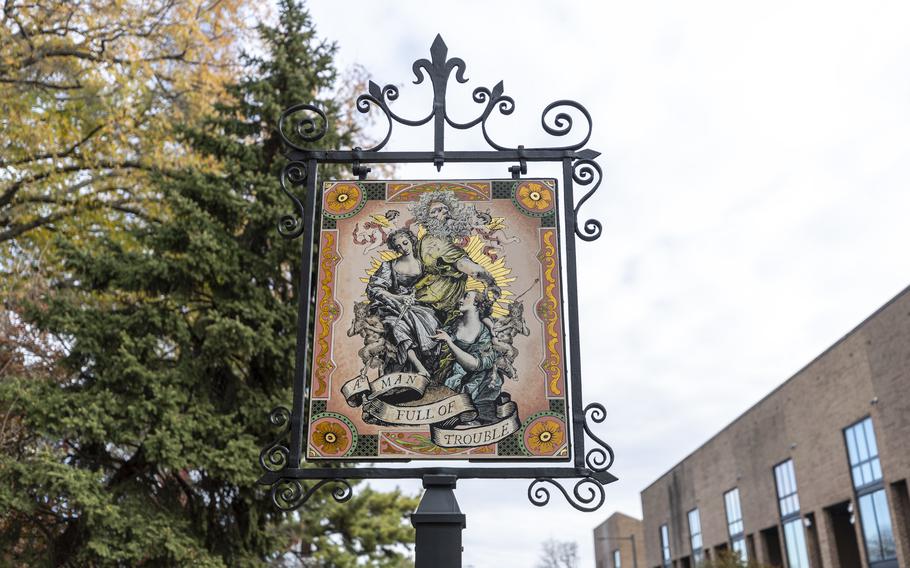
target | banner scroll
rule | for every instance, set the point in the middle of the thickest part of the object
(451, 417)
(507, 423)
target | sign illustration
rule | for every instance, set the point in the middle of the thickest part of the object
(439, 331)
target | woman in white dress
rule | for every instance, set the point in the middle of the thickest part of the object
(409, 326)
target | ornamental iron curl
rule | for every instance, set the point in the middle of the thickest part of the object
(438, 69)
(586, 171)
(290, 494)
(306, 128)
(597, 459)
(275, 456)
(292, 174)
(588, 493)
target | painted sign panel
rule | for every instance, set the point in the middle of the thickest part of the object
(439, 330)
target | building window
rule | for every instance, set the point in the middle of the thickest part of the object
(874, 515)
(788, 503)
(786, 489)
(863, 453)
(795, 538)
(665, 545)
(695, 536)
(735, 523)
(616, 559)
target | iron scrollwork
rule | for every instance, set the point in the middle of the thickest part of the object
(588, 493)
(274, 457)
(294, 174)
(585, 171)
(598, 459)
(286, 493)
(302, 126)
(290, 494)
(438, 69)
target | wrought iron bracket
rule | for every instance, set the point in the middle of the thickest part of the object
(302, 126)
(522, 167)
(357, 168)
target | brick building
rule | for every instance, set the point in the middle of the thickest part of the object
(621, 540)
(813, 475)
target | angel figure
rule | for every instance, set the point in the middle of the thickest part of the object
(376, 231)
(491, 230)
(504, 331)
(369, 327)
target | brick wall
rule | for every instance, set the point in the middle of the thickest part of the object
(867, 373)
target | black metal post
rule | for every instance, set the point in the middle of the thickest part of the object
(439, 523)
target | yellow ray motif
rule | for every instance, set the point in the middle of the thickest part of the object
(496, 224)
(497, 268)
(474, 249)
(384, 255)
(382, 220)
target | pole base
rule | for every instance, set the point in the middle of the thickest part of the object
(439, 522)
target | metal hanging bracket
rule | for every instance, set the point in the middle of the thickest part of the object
(522, 167)
(301, 126)
(357, 168)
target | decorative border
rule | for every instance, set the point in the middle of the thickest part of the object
(328, 313)
(342, 200)
(393, 443)
(548, 309)
(545, 434)
(344, 435)
(401, 192)
(534, 198)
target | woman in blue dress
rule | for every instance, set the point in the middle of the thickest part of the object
(466, 364)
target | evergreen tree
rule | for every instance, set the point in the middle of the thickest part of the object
(174, 343)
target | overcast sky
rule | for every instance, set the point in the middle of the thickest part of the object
(755, 202)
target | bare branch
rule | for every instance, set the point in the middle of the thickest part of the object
(61, 154)
(7, 197)
(42, 84)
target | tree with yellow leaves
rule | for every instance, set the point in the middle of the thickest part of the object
(137, 368)
(89, 93)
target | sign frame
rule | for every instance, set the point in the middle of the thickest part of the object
(291, 478)
(405, 396)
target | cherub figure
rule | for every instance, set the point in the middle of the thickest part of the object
(369, 327)
(504, 331)
(491, 230)
(375, 232)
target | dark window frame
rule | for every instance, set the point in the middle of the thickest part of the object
(862, 488)
(789, 497)
(740, 535)
(697, 552)
(666, 553)
(873, 461)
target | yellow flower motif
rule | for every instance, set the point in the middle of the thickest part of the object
(342, 197)
(534, 195)
(330, 437)
(545, 437)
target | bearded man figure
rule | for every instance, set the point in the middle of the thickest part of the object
(446, 266)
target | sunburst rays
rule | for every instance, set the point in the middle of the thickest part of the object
(475, 251)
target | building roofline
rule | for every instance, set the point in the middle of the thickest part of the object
(854, 330)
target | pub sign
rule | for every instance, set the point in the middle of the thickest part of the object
(438, 323)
